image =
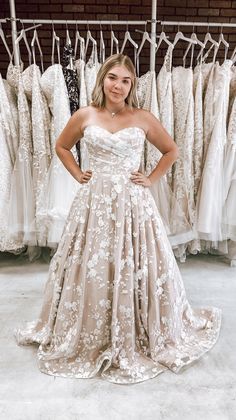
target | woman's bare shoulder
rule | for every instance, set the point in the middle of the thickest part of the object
(142, 117)
(83, 114)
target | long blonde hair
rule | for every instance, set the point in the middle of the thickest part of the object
(98, 96)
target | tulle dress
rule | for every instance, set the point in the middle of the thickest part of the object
(114, 303)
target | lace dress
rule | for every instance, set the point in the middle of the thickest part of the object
(12, 118)
(70, 76)
(54, 206)
(183, 184)
(165, 100)
(90, 73)
(7, 138)
(41, 120)
(114, 302)
(209, 223)
(178, 229)
(229, 171)
(21, 219)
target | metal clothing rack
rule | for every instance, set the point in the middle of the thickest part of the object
(14, 20)
(208, 24)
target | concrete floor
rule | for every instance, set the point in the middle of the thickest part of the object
(204, 391)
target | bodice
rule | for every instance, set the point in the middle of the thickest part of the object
(114, 153)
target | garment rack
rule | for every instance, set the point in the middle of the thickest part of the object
(153, 22)
(184, 23)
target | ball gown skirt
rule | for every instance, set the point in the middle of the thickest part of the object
(114, 303)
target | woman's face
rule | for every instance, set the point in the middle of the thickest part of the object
(117, 84)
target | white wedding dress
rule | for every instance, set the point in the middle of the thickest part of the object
(115, 303)
(210, 198)
(8, 139)
(21, 220)
(59, 187)
(40, 119)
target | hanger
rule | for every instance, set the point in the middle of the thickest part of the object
(23, 36)
(114, 40)
(222, 40)
(162, 37)
(35, 38)
(78, 37)
(215, 45)
(180, 36)
(102, 47)
(126, 39)
(233, 54)
(56, 39)
(2, 36)
(90, 38)
(145, 38)
(198, 42)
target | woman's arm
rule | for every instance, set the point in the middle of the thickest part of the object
(67, 139)
(158, 136)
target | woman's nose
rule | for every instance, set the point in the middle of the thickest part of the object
(117, 85)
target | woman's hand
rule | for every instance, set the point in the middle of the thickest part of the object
(140, 179)
(84, 177)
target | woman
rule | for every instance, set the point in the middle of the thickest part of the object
(114, 302)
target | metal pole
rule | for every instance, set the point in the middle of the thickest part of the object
(177, 23)
(153, 35)
(14, 32)
(82, 22)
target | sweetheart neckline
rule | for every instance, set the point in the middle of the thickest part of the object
(115, 132)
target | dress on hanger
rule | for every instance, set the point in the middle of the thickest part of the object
(165, 100)
(41, 119)
(115, 302)
(178, 229)
(8, 139)
(195, 246)
(198, 128)
(229, 171)
(90, 72)
(210, 199)
(183, 181)
(53, 205)
(12, 118)
(80, 68)
(21, 220)
(70, 75)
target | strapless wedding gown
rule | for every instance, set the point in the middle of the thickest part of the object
(115, 303)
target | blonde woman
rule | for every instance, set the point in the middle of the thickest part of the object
(114, 303)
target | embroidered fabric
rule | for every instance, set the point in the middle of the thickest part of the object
(70, 76)
(178, 229)
(210, 200)
(53, 206)
(229, 169)
(12, 117)
(90, 73)
(41, 119)
(115, 303)
(184, 137)
(165, 100)
(21, 220)
(8, 136)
